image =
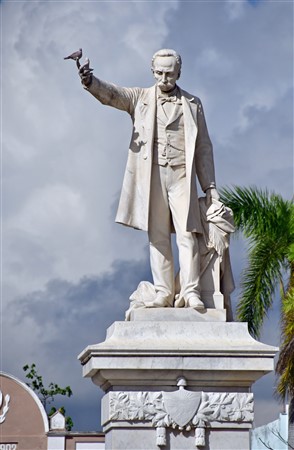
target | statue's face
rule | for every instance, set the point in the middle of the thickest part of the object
(166, 72)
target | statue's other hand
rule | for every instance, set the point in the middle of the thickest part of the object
(211, 193)
(86, 73)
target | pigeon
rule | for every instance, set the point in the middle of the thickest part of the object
(75, 55)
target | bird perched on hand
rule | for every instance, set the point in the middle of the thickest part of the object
(75, 55)
(86, 66)
(86, 73)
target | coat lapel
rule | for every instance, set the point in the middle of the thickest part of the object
(175, 114)
(190, 106)
(148, 115)
(148, 109)
(190, 121)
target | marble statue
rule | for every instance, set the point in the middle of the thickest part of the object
(169, 148)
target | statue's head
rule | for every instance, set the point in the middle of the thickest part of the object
(166, 68)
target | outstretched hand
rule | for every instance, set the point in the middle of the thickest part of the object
(85, 73)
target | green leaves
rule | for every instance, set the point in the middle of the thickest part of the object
(267, 221)
(47, 395)
(258, 212)
(285, 365)
(259, 280)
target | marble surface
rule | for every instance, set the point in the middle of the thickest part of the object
(178, 314)
(192, 418)
(145, 353)
(170, 141)
(138, 366)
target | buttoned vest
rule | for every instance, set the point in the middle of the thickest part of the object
(169, 136)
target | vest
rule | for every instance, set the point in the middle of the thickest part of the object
(169, 136)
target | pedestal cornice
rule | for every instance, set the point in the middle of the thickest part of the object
(209, 354)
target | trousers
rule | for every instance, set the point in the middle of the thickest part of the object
(169, 203)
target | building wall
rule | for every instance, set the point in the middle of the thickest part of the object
(85, 442)
(273, 435)
(23, 421)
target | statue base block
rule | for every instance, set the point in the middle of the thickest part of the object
(178, 314)
(177, 379)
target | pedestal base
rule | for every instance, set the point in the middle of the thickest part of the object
(178, 315)
(140, 363)
(143, 438)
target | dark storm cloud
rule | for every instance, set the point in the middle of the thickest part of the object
(59, 321)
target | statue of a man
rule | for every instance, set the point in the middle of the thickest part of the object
(169, 147)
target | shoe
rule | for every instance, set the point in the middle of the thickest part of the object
(195, 302)
(179, 302)
(159, 302)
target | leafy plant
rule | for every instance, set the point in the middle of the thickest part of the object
(267, 221)
(47, 394)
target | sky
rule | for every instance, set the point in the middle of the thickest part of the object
(67, 269)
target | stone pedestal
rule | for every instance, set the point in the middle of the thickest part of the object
(177, 379)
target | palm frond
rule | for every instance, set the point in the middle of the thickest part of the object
(285, 364)
(267, 221)
(285, 369)
(258, 212)
(258, 283)
(291, 252)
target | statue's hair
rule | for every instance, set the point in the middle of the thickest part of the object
(168, 52)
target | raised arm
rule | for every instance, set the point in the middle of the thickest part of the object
(107, 93)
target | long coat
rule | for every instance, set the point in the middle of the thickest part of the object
(140, 103)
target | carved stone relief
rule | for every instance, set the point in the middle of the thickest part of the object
(182, 410)
(5, 406)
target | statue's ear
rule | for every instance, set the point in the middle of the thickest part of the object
(179, 74)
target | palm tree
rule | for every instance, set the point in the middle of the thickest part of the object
(285, 365)
(267, 221)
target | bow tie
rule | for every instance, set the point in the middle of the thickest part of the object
(171, 98)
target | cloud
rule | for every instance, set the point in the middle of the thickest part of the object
(149, 29)
(51, 208)
(54, 213)
(265, 158)
(56, 323)
(234, 9)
